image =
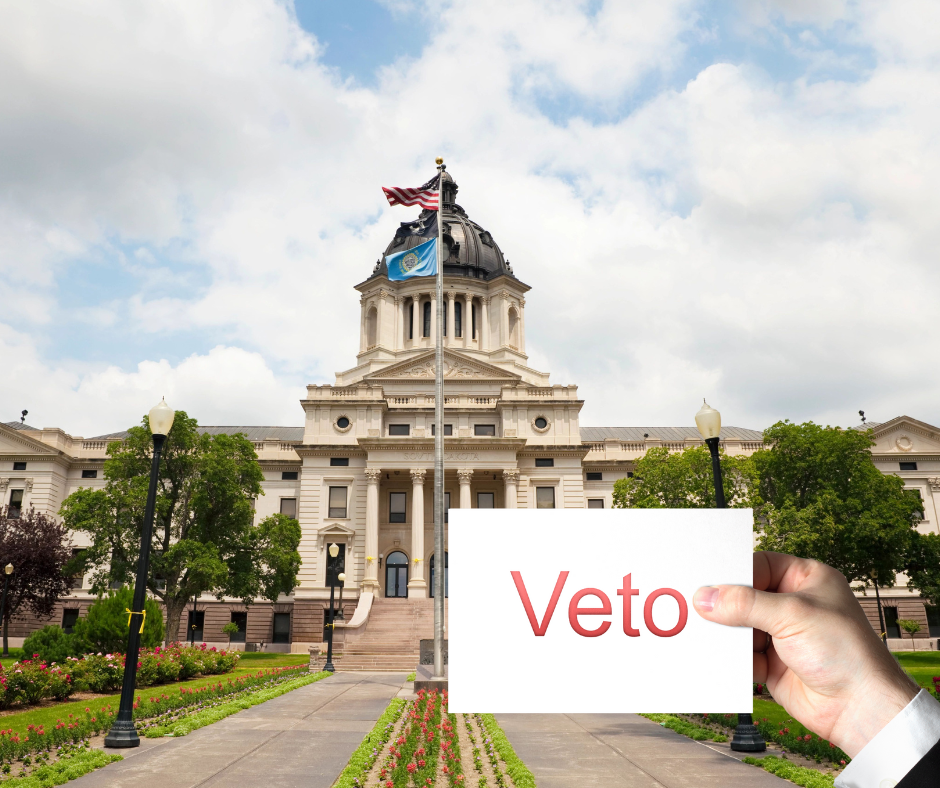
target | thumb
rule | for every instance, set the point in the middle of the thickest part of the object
(742, 606)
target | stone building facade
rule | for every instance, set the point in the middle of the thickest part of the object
(359, 472)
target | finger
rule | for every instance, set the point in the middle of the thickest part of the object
(771, 568)
(760, 668)
(740, 606)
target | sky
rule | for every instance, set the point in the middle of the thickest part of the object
(733, 200)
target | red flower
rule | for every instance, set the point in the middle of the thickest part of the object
(412, 768)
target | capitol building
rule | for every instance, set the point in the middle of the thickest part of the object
(359, 471)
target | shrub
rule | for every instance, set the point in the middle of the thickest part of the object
(231, 628)
(105, 627)
(50, 644)
(30, 681)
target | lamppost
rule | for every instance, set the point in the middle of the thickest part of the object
(334, 551)
(7, 571)
(342, 582)
(881, 613)
(123, 733)
(708, 420)
(192, 627)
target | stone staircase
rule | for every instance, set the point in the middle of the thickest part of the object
(390, 639)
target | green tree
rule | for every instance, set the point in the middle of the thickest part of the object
(104, 628)
(683, 480)
(822, 497)
(204, 539)
(923, 566)
(911, 627)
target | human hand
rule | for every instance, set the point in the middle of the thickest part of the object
(822, 661)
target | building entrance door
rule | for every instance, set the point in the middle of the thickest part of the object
(396, 575)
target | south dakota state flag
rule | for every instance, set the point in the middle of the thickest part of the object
(420, 261)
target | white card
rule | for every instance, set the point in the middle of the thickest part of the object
(498, 662)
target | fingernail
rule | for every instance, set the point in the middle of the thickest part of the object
(706, 597)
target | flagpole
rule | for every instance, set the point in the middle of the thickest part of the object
(439, 561)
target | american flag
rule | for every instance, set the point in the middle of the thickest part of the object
(427, 196)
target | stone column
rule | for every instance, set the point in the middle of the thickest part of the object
(464, 475)
(417, 587)
(468, 319)
(522, 325)
(416, 320)
(362, 324)
(380, 315)
(399, 330)
(433, 338)
(511, 477)
(451, 338)
(371, 580)
(485, 323)
(503, 319)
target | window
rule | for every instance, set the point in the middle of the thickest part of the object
(595, 503)
(89, 474)
(446, 505)
(544, 497)
(933, 621)
(594, 476)
(916, 494)
(288, 476)
(242, 620)
(342, 422)
(541, 422)
(448, 429)
(281, 628)
(397, 507)
(399, 429)
(908, 466)
(19, 466)
(485, 430)
(339, 462)
(337, 502)
(427, 319)
(289, 507)
(16, 504)
(544, 462)
(411, 321)
(335, 566)
(78, 579)
(69, 617)
(195, 626)
(458, 319)
(396, 575)
(486, 500)
(891, 622)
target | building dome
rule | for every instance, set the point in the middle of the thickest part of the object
(469, 250)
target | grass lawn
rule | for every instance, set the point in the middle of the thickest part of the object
(249, 663)
(922, 665)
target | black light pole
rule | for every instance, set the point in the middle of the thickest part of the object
(123, 733)
(881, 613)
(192, 627)
(708, 420)
(334, 551)
(7, 571)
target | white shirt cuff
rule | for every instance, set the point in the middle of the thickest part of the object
(897, 748)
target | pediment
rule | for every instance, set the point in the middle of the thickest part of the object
(456, 365)
(906, 436)
(335, 532)
(15, 442)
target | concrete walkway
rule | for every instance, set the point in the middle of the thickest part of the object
(622, 751)
(303, 738)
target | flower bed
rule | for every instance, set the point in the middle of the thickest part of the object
(31, 681)
(157, 709)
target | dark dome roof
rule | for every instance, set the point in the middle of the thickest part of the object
(469, 250)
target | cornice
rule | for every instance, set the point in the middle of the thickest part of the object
(907, 456)
(329, 450)
(557, 450)
(450, 444)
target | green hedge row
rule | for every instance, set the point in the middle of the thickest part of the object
(518, 771)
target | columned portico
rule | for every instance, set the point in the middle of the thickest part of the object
(511, 479)
(371, 580)
(464, 476)
(417, 586)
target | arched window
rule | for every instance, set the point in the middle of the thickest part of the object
(396, 574)
(411, 321)
(427, 319)
(372, 324)
(446, 573)
(473, 320)
(513, 328)
(458, 319)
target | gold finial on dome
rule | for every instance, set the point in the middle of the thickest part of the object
(439, 161)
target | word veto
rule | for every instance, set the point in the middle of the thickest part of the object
(574, 610)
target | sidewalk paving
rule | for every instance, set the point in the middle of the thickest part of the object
(622, 751)
(303, 738)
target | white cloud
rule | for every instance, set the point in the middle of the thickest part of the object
(768, 245)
